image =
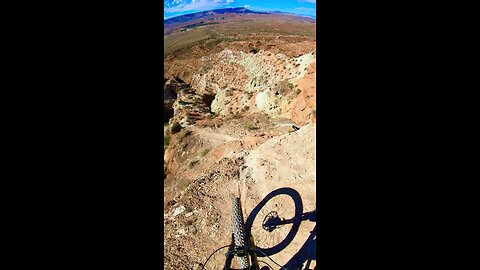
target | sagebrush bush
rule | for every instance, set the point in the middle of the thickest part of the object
(204, 152)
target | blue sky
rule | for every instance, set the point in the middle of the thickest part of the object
(174, 8)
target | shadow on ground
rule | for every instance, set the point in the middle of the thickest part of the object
(303, 258)
(306, 254)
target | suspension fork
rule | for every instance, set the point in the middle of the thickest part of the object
(230, 254)
(251, 250)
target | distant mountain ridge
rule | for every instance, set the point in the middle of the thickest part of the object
(296, 14)
(187, 17)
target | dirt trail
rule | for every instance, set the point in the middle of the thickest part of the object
(198, 220)
(214, 137)
(243, 124)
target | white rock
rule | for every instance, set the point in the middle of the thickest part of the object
(178, 210)
(182, 231)
(261, 100)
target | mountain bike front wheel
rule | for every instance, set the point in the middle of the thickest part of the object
(239, 233)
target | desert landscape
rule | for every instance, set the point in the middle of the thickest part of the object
(240, 119)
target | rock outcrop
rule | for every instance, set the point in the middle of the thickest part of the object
(188, 107)
(259, 82)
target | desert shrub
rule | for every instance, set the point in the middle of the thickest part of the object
(249, 126)
(282, 87)
(192, 163)
(204, 152)
(166, 140)
(183, 146)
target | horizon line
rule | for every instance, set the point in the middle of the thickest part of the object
(302, 15)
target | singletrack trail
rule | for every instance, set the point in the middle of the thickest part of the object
(197, 218)
(242, 121)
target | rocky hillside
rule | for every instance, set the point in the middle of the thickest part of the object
(243, 122)
(234, 82)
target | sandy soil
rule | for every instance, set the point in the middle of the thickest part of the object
(231, 168)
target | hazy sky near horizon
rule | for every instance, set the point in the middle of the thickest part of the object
(174, 8)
